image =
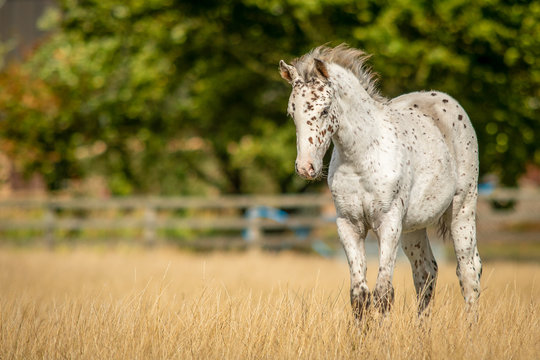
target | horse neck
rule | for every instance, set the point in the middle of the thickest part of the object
(360, 123)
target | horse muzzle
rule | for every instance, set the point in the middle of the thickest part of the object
(307, 170)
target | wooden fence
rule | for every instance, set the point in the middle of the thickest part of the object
(226, 221)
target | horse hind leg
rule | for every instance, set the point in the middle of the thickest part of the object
(424, 267)
(463, 233)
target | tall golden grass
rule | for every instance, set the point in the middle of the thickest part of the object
(129, 304)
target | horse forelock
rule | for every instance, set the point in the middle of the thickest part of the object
(344, 56)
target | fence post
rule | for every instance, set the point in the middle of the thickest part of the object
(49, 219)
(254, 232)
(149, 225)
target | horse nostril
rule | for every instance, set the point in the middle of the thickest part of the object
(296, 166)
(311, 170)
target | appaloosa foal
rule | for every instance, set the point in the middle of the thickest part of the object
(397, 167)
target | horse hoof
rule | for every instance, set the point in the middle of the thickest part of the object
(360, 301)
(383, 298)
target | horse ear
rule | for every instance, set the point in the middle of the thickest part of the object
(287, 72)
(321, 68)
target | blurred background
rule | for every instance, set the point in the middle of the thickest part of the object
(163, 122)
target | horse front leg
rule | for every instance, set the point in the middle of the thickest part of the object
(388, 233)
(352, 237)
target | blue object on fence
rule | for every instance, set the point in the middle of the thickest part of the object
(486, 188)
(267, 212)
(281, 216)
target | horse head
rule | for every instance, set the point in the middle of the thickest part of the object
(314, 113)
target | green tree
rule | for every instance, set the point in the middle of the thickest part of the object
(484, 53)
(169, 96)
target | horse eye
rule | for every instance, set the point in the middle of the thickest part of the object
(324, 112)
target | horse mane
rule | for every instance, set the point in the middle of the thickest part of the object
(344, 56)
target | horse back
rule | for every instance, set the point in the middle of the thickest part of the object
(454, 126)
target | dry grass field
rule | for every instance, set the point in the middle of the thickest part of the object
(164, 304)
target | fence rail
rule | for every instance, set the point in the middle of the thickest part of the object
(219, 221)
(227, 221)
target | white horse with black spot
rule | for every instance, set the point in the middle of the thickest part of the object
(397, 167)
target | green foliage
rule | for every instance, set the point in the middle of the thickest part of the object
(178, 97)
(484, 53)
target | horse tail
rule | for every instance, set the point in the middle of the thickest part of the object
(443, 230)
